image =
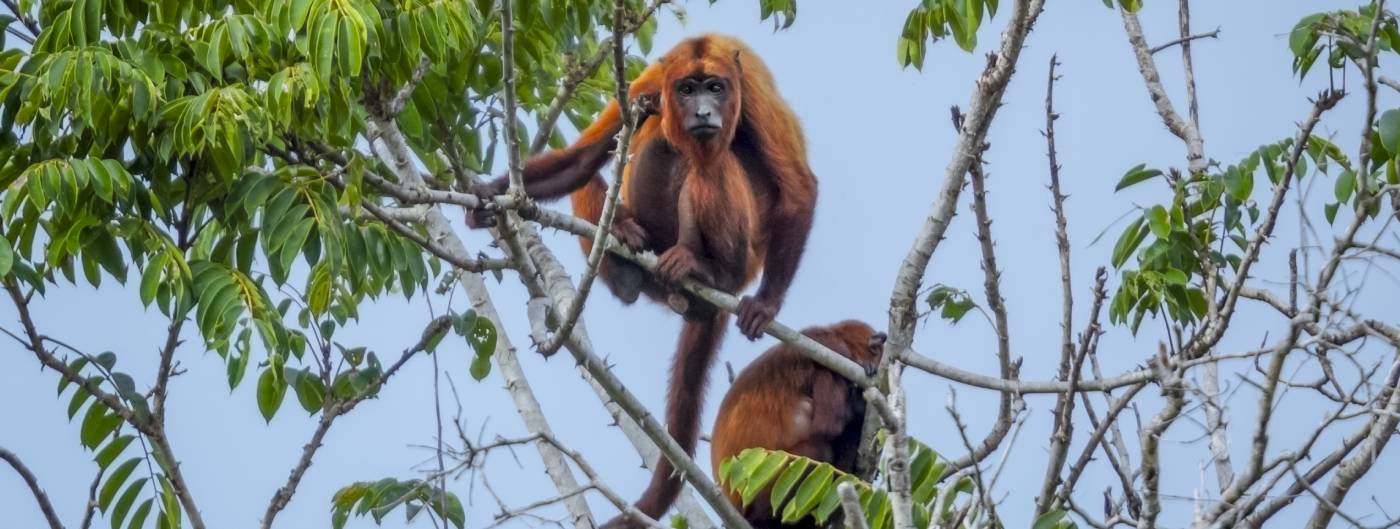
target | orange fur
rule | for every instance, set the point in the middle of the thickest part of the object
(784, 401)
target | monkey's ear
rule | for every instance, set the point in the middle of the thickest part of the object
(738, 64)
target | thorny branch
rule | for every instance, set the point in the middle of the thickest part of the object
(32, 482)
(630, 117)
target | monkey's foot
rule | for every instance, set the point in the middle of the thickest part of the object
(629, 233)
(754, 315)
(674, 264)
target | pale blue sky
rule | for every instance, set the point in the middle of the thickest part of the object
(879, 138)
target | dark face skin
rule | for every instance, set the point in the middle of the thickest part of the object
(702, 99)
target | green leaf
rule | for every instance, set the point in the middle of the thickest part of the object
(311, 392)
(237, 366)
(1135, 176)
(480, 368)
(271, 390)
(785, 482)
(1390, 130)
(325, 45)
(809, 494)
(7, 256)
(138, 520)
(773, 463)
(150, 278)
(1161, 225)
(97, 425)
(483, 337)
(75, 404)
(1050, 520)
(1239, 183)
(76, 366)
(1346, 184)
(1303, 36)
(124, 503)
(1175, 277)
(1129, 241)
(113, 449)
(115, 481)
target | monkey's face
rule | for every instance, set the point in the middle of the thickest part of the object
(862, 344)
(704, 102)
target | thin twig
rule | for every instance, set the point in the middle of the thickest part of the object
(1184, 41)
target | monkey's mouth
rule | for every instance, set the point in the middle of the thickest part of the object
(703, 131)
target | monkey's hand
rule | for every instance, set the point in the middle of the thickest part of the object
(486, 217)
(676, 263)
(626, 230)
(754, 315)
(647, 105)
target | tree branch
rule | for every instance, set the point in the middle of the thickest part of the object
(1185, 41)
(1195, 147)
(600, 239)
(391, 147)
(33, 482)
(576, 77)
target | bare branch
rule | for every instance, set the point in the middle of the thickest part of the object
(400, 99)
(986, 98)
(1217, 424)
(1152, 437)
(1353, 468)
(850, 505)
(897, 453)
(601, 238)
(391, 147)
(33, 482)
(90, 510)
(517, 178)
(1195, 147)
(1184, 41)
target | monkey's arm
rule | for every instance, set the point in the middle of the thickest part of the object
(832, 408)
(720, 266)
(789, 224)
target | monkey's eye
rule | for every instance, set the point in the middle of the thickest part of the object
(685, 89)
(716, 88)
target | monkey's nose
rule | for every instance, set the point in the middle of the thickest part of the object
(877, 341)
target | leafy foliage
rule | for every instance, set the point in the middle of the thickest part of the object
(1208, 223)
(799, 487)
(950, 303)
(103, 432)
(1343, 35)
(932, 20)
(379, 498)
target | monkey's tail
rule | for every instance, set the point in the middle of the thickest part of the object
(690, 376)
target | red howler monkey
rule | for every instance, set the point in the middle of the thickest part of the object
(785, 401)
(718, 186)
